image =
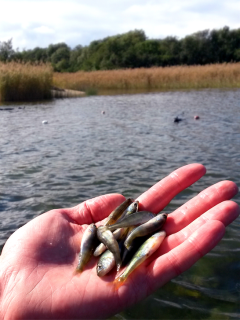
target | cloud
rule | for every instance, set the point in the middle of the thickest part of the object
(40, 23)
(44, 30)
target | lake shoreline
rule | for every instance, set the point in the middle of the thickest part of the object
(65, 93)
(25, 82)
(153, 79)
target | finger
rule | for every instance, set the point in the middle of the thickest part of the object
(204, 201)
(96, 209)
(182, 257)
(158, 196)
(225, 212)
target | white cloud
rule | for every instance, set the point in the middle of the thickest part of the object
(40, 23)
(44, 30)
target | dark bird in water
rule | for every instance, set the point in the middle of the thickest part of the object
(177, 119)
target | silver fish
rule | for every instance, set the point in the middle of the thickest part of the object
(101, 248)
(107, 238)
(116, 214)
(130, 209)
(87, 246)
(147, 228)
(133, 207)
(133, 220)
(105, 263)
(107, 260)
(145, 251)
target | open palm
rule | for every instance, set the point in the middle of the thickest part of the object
(37, 279)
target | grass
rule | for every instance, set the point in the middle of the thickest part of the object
(157, 78)
(28, 82)
(25, 82)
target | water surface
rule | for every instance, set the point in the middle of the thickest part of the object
(82, 153)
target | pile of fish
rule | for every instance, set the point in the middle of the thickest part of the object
(128, 237)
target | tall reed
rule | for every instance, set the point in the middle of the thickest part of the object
(167, 78)
(25, 82)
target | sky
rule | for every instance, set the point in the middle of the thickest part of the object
(38, 23)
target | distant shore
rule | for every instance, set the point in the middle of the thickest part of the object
(30, 82)
(225, 75)
(27, 82)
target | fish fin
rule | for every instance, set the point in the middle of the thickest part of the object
(117, 283)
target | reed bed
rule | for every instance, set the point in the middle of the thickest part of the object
(25, 82)
(157, 78)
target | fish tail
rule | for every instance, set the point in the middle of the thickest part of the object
(77, 272)
(118, 282)
(79, 268)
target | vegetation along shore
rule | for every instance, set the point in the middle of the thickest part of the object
(126, 62)
(158, 78)
(25, 82)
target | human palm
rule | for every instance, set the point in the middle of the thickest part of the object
(37, 278)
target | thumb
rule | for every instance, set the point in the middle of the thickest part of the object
(95, 209)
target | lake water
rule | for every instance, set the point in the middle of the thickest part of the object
(82, 153)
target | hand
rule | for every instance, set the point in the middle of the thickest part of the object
(37, 279)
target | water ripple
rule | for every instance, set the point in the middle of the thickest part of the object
(81, 154)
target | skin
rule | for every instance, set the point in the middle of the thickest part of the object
(38, 260)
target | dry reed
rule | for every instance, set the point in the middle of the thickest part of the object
(25, 82)
(168, 78)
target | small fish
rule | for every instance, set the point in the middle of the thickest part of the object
(105, 263)
(107, 238)
(145, 251)
(107, 260)
(127, 254)
(147, 228)
(133, 220)
(130, 209)
(118, 232)
(101, 248)
(116, 214)
(87, 246)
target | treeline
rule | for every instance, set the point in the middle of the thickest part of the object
(134, 50)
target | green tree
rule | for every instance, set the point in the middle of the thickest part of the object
(60, 59)
(76, 58)
(6, 50)
(169, 51)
